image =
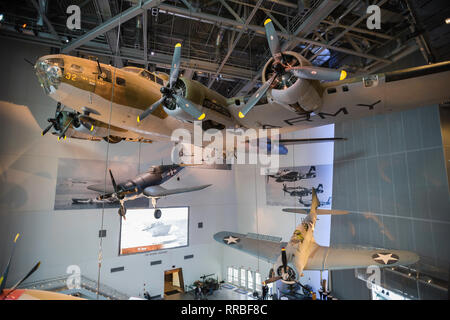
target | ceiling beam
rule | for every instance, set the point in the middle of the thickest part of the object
(312, 22)
(230, 50)
(44, 17)
(111, 23)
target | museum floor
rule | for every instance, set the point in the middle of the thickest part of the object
(221, 294)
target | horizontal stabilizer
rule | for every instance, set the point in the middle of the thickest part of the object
(319, 211)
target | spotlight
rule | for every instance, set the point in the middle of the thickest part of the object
(152, 53)
(1, 17)
(447, 21)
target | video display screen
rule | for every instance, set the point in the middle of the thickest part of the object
(142, 232)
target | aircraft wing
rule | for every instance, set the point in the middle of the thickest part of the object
(359, 97)
(101, 188)
(267, 250)
(158, 191)
(328, 258)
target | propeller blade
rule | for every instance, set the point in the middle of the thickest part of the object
(63, 133)
(273, 279)
(33, 270)
(113, 181)
(189, 107)
(272, 38)
(175, 69)
(317, 73)
(88, 125)
(150, 110)
(256, 97)
(284, 259)
(5, 273)
(47, 129)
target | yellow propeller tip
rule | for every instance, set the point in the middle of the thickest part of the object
(202, 117)
(138, 120)
(267, 21)
(178, 45)
(343, 75)
(241, 115)
(92, 128)
(17, 236)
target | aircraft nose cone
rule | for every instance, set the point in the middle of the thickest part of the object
(48, 74)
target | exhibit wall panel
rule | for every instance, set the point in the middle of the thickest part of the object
(61, 238)
(391, 175)
(255, 216)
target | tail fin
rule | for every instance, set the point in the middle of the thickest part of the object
(312, 170)
(315, 202)
(320, 188)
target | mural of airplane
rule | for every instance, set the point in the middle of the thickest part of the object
(27, 294)
(301, 191)
(287, 175)
(303, 253)
(146, 184)
(146, 106)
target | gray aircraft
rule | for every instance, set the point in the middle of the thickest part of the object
(146, 184)
(287, 175)
(301, 191)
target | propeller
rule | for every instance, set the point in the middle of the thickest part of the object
(279, 68)
(54, 122)
(169, 93)
(113, 181)
(5, 274)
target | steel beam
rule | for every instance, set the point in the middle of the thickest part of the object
(111, 23)
(312, 22)
(230, 50)
(44, 17)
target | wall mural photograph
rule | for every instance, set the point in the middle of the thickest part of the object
(293, 186)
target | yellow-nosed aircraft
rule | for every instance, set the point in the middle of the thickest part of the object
(27, 294)
(134, 104)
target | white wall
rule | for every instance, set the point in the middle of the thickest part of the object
(28, 169)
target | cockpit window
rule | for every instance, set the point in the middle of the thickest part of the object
(132, 69)
(56, 61)
(147, 75)
(159, 81)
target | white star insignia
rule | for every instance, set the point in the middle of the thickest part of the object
(386, 258)
(230, 239)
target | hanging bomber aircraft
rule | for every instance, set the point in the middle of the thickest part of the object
(137, 105)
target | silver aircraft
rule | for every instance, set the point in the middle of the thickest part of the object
(303, 253)
(146, 184)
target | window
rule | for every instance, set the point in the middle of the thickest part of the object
(250, 280)
(230, 275)
(147, 75)
(258, 281)
(235, 276)
(76, 68)
(56, 61)
(106, 75)
(243, 278)
(159, 81)
(120, 81)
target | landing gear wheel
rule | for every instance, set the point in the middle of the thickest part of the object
(158, 214)
(112, 139)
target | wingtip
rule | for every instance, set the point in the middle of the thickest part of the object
(17, 236)
(267, 21)
(241, 115)
(343, 75)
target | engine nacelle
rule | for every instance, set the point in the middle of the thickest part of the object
(291, 276)
(190, 90)
(292, 92)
